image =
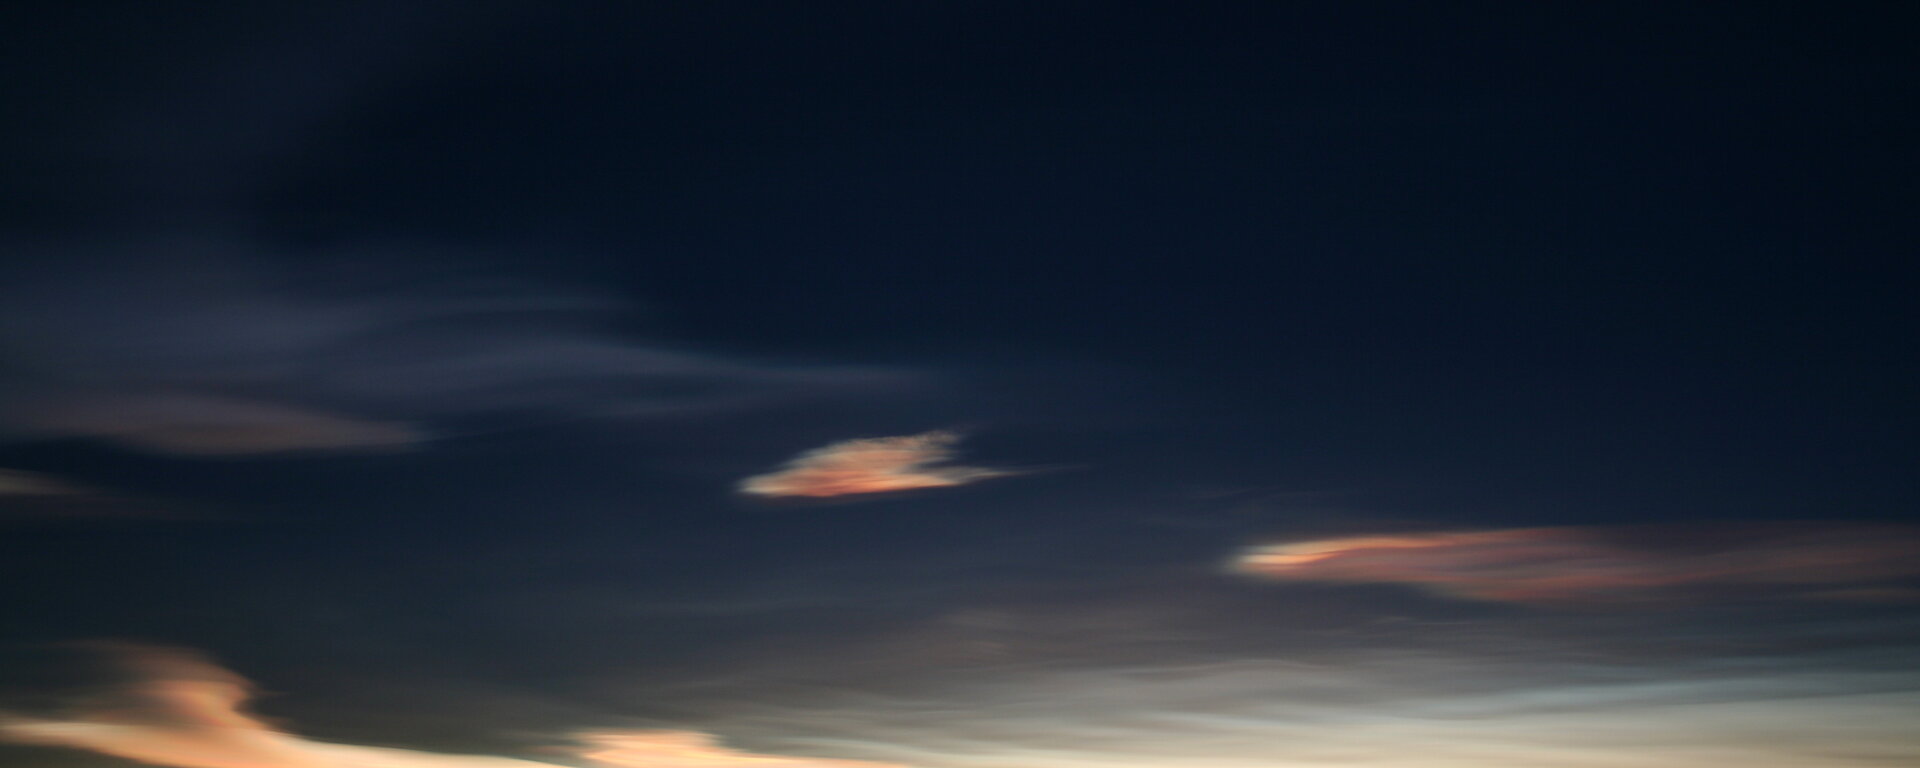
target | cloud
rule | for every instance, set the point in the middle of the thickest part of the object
(14, 482)
(689, 749)
(1529, 565)
(1502, 706)
(201, 341)
(869, 465)
(34, 496)
(199, 424)
(186, 712)
(210, 346)
(31, 496)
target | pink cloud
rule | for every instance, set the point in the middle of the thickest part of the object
(186, 712)
(1598, 563)
(869, 465)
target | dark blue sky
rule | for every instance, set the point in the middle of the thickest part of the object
(1370, 383)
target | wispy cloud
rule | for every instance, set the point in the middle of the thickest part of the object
(200, 340)
(1599, 563)
(14, 482)
(186, 712)
(205, 346)
(870, 465)
(32, 496)
(1503, 706)
(186, 423)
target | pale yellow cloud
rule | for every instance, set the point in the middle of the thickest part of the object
(870, 465)
(186, 712)
(1598, 563)
(690, 749)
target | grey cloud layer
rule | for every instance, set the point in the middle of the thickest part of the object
(1507, 705)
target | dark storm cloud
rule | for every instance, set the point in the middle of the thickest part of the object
(1575, 564)
(180, 346)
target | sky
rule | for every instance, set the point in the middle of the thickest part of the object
(500, 384)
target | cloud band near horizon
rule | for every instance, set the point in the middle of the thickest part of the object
(184, 711)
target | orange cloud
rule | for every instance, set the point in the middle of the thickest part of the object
(869, 465)
(1594, 563)
(187, 712)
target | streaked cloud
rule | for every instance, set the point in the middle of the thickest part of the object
(870, 465)
(197, 424)
(32, 496)
(1502, 704)
(14, 482)
(1599, 563)
(186, 712)
(211, 346)
(1507, 705)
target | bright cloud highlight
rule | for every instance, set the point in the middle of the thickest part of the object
(187, 712)
(870, 465)
(690, 749)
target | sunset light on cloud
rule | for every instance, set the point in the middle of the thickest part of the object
(186, 712)
(1588, 563)
(515, 384)
(1371, 709)
(690, 749)
(870, 465)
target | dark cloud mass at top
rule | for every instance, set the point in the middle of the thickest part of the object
(418, 384)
